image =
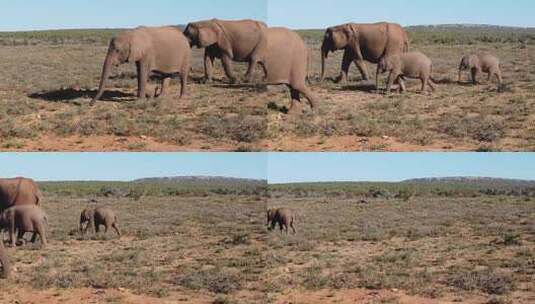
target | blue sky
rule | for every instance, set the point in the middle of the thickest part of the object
(304, 167)
(55, 14)
(128, 166)
(324, 13)
(277, 167)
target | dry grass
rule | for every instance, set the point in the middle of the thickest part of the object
(49, 78)
(447, 249)
(196, 248)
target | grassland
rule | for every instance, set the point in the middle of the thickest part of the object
(364, 243)
(49, 77)
(199, 245)
(467, 241)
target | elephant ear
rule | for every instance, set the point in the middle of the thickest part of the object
(223, 40)
(138, 46)
(352, 33)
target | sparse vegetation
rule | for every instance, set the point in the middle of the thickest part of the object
(415, 242)
(52, 112)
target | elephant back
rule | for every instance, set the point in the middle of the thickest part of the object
(18, 191)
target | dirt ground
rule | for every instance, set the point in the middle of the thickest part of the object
(45, 90)
(199, 250)
(425, 250)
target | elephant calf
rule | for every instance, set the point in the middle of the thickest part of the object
(4, 262)
(284, 217)
(481, 63)
(22, 219)
(163, 50)
(95, 217)
(411, 65)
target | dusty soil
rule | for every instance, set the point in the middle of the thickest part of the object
(44, 98)
(426, 250)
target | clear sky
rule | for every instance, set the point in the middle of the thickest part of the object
(16, 15)
(301, 14)
(129, 166)
(305, 167)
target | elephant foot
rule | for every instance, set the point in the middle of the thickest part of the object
(206, 81)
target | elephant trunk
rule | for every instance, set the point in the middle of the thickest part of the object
(103, 79)
(460, 72)
(324, 55)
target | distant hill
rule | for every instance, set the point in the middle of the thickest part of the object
(472, 180)
(199, 179)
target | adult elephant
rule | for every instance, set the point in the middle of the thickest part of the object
(18, 191)
(363, 42)
(285, 60)
(164, 51)
(229, 41)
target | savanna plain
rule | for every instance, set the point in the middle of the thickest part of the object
(424, 241)
(49, 77)
(182, 242)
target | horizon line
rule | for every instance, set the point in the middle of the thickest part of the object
(314, 28)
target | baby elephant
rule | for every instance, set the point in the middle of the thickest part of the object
(22, 219)
(282, 216)
(481, 63)
(411, 65)
(4, 262)
(98, 216)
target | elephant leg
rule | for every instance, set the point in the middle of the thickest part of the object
(106, 226)
(114, 226)
(250, 69)
(292, 225)
(12, 238)
(97, 227)
(474, 76)
(165, 86)
(424, 84)
(363, 69)
(142, 78)
(401, 82)
(184, 82)
(227, 65)
(312, 99)
(20, 237)
(294, 95)
(431, 84)
(34, 237)
(346, 63)
(42, 235)
(208, 66)
(489, 75)
(264, 69)
(390, 81)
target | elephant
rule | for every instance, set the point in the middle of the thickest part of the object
(410, 65)
(18, 191)
(239, 41)
(22, 219)
(481, 62)
(164, 51)
(363, 42)
(285, 60)
(100, 215)
(4, 262)
(282, 216)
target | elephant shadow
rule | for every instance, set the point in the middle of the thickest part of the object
(66, 95)
(368, 88)
(251, 87)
